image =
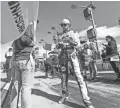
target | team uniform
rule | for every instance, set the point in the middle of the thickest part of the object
(68, 45)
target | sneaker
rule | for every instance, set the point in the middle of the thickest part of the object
(90, 106)
(62, 99)
(67, 95)
(19, 105)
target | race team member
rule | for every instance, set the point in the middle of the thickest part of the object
(23, 69)
(68, 44)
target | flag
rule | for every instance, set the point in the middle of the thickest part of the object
(47, 46)
(15, 18)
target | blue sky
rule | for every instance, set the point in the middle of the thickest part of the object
(52, 12)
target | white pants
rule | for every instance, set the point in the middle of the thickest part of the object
(78, 76)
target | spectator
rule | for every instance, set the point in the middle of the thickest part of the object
(105, 61)
(51, 64)
(103, 55)
(111, 53)
(23, 67)
(8, 56)
(54, 62)
(91, 60)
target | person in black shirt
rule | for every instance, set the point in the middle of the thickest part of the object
(23, 69)
(111, 52)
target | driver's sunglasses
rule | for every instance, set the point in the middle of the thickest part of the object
(63, 25)
(106, 39)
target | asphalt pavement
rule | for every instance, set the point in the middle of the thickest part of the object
(104, 92)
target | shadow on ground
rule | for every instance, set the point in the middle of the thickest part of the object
(107, 78)
(55, 98)
(4, 79)
(44, 77)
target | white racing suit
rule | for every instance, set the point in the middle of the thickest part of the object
(68, 54)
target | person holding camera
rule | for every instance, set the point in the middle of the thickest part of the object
(112, 55)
